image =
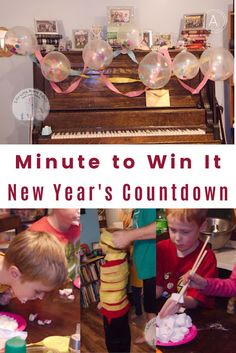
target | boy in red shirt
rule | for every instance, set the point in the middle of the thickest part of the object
(64, 223)
(176, 256)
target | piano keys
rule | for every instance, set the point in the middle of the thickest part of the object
(93, 114)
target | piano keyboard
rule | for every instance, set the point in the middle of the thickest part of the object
(128, 133)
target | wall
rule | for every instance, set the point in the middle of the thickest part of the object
(16, 72)
(90, 227)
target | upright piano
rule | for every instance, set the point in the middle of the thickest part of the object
(93, 114)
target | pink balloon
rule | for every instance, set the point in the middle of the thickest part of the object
(217, 63)
(20, 40)
(55, 66)
(129, 36)
(97, 54)
(154, 70)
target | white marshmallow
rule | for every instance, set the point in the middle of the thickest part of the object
(173, 328)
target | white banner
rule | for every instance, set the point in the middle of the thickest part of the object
(117, 176)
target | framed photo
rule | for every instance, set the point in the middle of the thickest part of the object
(80, 37)
(147, 38)
(112, 36)
(46, 26)
(165, 39)
(120, 15)
(195, 21)
(95, 245)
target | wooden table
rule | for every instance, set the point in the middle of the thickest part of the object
(210, 339)
(64, 313)
(10, 222)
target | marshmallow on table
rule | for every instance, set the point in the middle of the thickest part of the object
(173, 328)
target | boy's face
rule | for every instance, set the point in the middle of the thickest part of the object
(183, 234)
(28, 290)
(69, 215)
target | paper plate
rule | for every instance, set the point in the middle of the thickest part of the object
(19, 319)
(187, 338)
(77, 282)
(60, 343)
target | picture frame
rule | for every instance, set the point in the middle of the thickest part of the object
(165, 39)
(147, 38)
(194, 21)
(118, 15)
(112, 36)
(80, 38)
(95, 245)
(46, 26)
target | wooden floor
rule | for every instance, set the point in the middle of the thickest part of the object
(92, 335)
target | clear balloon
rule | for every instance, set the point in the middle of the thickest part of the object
(20, 40)
(185, 65)
(217, 63)
(97, 54)
(154, 70)
(55, 66)
(129, 36)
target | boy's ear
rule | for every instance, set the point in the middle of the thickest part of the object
(14, 272)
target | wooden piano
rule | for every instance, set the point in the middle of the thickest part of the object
(93, 114)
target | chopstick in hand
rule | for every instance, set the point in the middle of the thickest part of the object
(195, 267)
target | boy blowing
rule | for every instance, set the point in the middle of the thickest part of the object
(34, 264)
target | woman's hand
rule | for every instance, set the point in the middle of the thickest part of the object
(121, 239)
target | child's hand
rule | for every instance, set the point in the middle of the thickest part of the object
(120, 239)
(99, 306)
(196, 281)
(5, 297)
(170, 307)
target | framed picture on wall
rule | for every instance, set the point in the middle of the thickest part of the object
(194, 21)
(46, 26)
(119, 15)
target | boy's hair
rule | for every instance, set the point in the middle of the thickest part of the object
(39, 256)
(188, 214)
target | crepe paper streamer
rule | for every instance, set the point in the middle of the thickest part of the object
(123, 80)
(165, 52)
(115, 90)
(125, 51)
(132, 56)
(198, 88)
(60, 343)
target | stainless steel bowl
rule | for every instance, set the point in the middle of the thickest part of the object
(220, 231)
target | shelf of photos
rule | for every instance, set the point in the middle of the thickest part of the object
(44, 40)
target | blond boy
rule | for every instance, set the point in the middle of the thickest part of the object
(34, 264)
(176, 256)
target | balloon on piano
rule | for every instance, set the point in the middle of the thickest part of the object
(55, 66)
(154, 70)
(185, 65)
(97, 54)
(20, 40)
(217, 63)
(129, 36)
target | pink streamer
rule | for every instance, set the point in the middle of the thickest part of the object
(198, 88)
(114, 89)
